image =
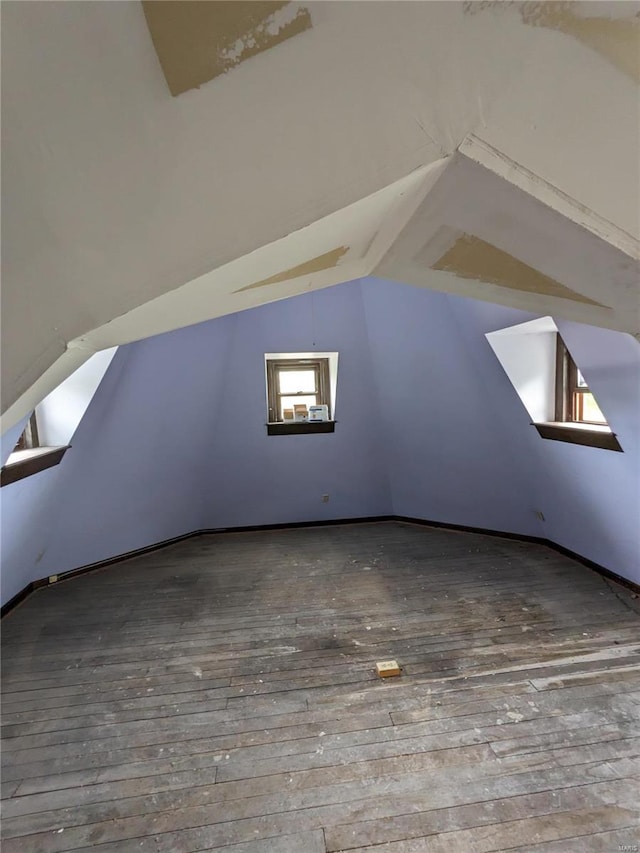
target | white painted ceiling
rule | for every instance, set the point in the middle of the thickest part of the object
(354, 145)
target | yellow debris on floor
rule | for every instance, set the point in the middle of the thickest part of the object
(387, 668)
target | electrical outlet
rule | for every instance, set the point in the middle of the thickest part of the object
(325, 499)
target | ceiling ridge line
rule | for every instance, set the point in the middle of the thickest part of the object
(477, 149)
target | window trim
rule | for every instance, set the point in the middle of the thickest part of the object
(319, 365)
(39, 460)
(569, 389)
(28, 456)
(300, 428)
(567, 427)
(577, 434)
(530, 354)
(29, 436)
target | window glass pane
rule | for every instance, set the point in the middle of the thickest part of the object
(590, 410)
(296, 381)
(581, 382)
(290, 402)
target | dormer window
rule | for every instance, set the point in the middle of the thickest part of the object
(297, 383)
(29, 436)
(301, 392)
(575, 403)
(551, 386)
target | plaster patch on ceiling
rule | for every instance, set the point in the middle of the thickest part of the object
(617, 40)
(472, 258)
(198, 40)
(322, 262)
(615, 37)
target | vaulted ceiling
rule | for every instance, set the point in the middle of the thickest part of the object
(169, 162)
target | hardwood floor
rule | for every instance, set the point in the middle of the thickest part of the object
(221, 694)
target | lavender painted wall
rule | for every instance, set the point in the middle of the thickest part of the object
(428, 426)
(134, 475)
(175, 440)
(259, 479)
(451, 454)
(590, 497)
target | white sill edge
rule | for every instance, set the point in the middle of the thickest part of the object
(31, 453)
(599, 428)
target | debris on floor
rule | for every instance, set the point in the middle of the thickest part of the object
(387, 668)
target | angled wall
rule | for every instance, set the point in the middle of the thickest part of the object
(132, 476)
(451, 454)
(254, 478)
(590, 498)
(175, 441)
(428, 426)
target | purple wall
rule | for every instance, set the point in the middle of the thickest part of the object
(134, 473)
(429, 426)
(175, 440)
(451, 452)
(259, 479)
(590, 497)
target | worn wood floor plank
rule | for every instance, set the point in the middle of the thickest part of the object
(491, 814)
(224, 696)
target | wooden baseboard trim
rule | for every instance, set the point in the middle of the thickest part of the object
(91, 567)
(522, 537)
(463, 528)
(25, 592)
(460, 528)
(596, 567)
(70, 574)
(257, 528)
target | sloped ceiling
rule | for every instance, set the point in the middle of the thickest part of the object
(370, 140)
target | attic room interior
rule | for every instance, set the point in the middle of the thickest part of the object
(320, 426)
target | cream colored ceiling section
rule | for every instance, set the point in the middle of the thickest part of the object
(475, 259)
(398, 234)
(616, 39)
(368, 228)
(546, 256)
(608, 28)
(197, 40)
(128, 211)
(563, 85)
(479, 151)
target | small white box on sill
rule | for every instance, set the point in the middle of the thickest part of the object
(318, 413)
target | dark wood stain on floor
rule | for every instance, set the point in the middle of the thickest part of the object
(221, 694)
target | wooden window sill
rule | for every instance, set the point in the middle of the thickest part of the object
(302, 428)
(25, 463)
(589, 435)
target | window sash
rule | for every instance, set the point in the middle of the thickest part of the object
(321, 393)
(298, 369)
(571, 389)
(29, 437)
